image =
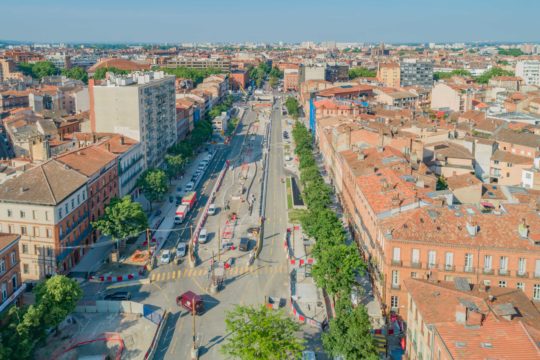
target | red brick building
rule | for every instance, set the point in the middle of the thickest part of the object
(10, 270)
(239, 79)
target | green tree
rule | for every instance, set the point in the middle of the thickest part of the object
(495, 71)
(57, 298)
(175, 165)
(101, 72)
(292, 107)
(442, 184)
(153, 183)
(349, 333)
(196, 75)
(447, 75)
(361, 72)
(511, 52)
(76, 73)
(336, 269)
(39, 69)
(261, 334)
(122, 218)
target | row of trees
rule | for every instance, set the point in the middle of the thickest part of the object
(438, 75)
(293, 107)
(259, 73)
(274, 75)
(38, 70)
(482, 79)
(25, 328)
(361, 72)
(197, 75)
(337, 263)
(101, 72)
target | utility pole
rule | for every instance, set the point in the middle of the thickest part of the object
(194, 349)
(219, 240)
(150, 257)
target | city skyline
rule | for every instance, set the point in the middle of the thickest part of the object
(208, 21)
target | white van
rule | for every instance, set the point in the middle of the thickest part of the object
(212, 209)
(189, 187)
(203, 236)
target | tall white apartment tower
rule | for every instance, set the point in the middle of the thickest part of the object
(529, 71)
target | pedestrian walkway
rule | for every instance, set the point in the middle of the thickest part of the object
(199, 272)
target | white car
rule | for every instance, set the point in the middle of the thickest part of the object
(165, 257)
(212, 209)
(203, 236)
(189, 187)
(181, 250)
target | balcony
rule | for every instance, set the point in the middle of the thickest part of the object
(537, 275)
(396, 287)
(448, 267)
(504, 272)
(486, 271)
(468, 269)
(416, 265)
(397, 262)
(74, 225)
(76, 242)
(522, 274)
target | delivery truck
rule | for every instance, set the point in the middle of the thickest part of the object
(189, 200)
(181, 213)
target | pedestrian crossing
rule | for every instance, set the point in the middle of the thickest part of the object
(231, 272)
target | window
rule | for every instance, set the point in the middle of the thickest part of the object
(25, 269)
(47, 215)
(522, 266)
(496, 162)
(537, 268)
(432, 259)
(2, 266)
(415, 256)
(488, 263)
(34, 214)
(36, 231)
(22, 214)
(468, 262)
(536, 292)
(49, 252)
(396, 254)
(4, 291)
(502, 283)
(395, 278)
(13, 258)
(509, 164)
(10, 229)
(25, 249)
(73, 203)
(503, 265)
(48, 231)
(14, 281)
(449, 263)
(520, 286)
(9, 213)
(23, 230)
(414, 275)
(394, 301)
(67, 208)
(60, 213)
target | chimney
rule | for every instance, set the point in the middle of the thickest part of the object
(108, 146)
(523, 229)
(122, 140)
(361, 155)
(472, 228)
(395, 200)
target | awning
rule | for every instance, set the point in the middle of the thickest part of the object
(487, 205)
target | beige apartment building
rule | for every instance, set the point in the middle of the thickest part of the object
(389, 74)
(141, 106)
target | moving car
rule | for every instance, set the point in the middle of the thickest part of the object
(244, 244)
(203, 236)
(212, 209)
(190, 301)
(181, 250)
(118, 296)
(165, 257)
(190, 185)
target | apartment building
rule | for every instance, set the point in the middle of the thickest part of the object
(529, 71)
(48, 207)
(100, 168)
(416, 72)
(445, 96)
(389, 74)
(395, 98)
(457, 321)
(290, 79)
(239, 79)
(311, 72)
(11, 285)
(510, 83)
(8, 71)
(223, 64)
(140, 106)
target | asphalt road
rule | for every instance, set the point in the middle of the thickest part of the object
(244, 285)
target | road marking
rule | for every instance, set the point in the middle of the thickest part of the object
(185, 273)
(179, 273)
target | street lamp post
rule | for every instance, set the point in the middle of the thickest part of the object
(194, 349)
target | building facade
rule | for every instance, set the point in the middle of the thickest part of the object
(389, 74)
(529, 71)
(416, 72)
(140, 106)
(11, 285)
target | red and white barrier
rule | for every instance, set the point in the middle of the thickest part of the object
(117, 278)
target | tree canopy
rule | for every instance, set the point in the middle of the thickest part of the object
(495, 71)
(101, 72)
(153, 183)
(447, 75)
(196, 75)
(357, 72)
(261, 334)
(76, 73)
(292, 107)
(511, 52)
(122, 218)
(39, 69)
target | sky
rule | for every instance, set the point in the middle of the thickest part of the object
(159, 21)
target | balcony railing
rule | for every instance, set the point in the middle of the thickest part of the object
(504, 272)
(468, 269)
(416, 265)
(537, 275)
(448, 267)
(74, 225)
(397, 262)
(522, 274)
(488, 271)
(396, 286)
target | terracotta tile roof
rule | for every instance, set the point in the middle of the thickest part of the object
(505, 156)
(117, 144)
(345, 90)
(121, 64)
(88, 161)
(6, 240)
(448, 226)
(526, 139)
(461, 181)
(47, 184)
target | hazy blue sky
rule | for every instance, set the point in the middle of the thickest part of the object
(270, 20)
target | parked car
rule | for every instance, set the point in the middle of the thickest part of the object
(308, 355)
(190, 300)
(118, 296)
(212, 209)
(203, 236)
(189, 187)
(165, 257)
(181, 250)
(244, 244)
